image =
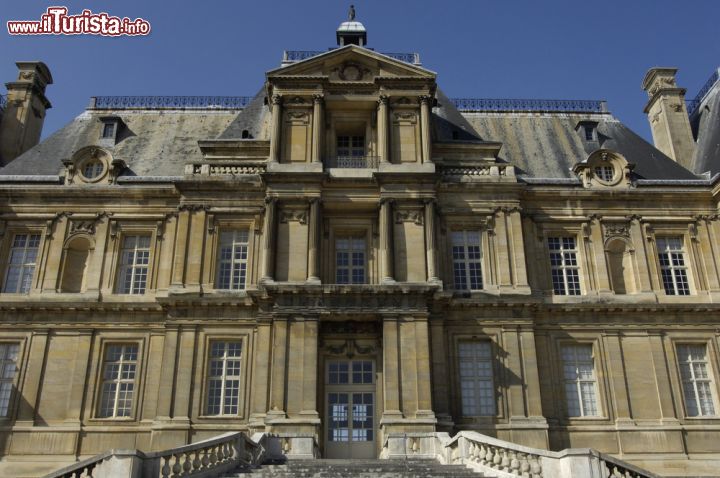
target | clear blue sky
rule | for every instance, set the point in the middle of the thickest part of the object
(482, 48)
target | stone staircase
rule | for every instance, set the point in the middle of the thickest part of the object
(324, 468)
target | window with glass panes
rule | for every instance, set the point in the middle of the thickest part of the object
(8, 369)
(232, 259)
(672, 265)
(352, 146)
(477, 391)
(134, 263)
(564, 265)
(21, 263)
(118, 380)
(580, 383)
(467, 260)
(697, 383)
(224, 378)
(350, 260)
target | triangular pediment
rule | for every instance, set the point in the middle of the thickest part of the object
(352, 63)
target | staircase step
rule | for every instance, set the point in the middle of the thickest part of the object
(327, 468)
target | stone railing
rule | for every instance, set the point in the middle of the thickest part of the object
(224, 169)
(201, 460)
(503, 459)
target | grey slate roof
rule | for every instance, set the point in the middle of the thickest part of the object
(155, 142)
(706, 126)
(161, 142)
(547, 145)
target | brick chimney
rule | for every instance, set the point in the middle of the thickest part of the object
(22, 121)
(668, 115)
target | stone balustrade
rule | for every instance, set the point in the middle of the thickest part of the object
(203, 459)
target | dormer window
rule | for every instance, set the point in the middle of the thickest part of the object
(111, 126)
(108, 130)
(587, 130)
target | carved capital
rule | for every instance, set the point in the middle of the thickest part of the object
(276, 99)
(293, 216)
(424, 99)
(409, 216)
(318, 98)
(383, 100)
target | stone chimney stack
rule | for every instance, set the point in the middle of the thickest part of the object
(22, 121)
(668, 116)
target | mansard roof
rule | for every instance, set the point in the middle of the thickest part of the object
(705, 121)
(160, 141)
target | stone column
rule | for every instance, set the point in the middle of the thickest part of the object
(422, 357)
(314, 242)
(386, 246)
(616, 371)
(382, 129)
(30, 392)
(261, 374)
(317, 128)
(425, 127)
(181, 244)
(275, 128)
(440, 381)
(391, 367)
(430, 246)
(269, 240)
(278, 374)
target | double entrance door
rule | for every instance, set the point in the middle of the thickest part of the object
(350, 408)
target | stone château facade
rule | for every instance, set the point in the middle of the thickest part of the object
(351, 260)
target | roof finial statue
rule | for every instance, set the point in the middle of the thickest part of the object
(351, 13)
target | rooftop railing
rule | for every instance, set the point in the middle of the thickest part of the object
(565, 106)
(169, 102)
(694, 104)
(291, 56)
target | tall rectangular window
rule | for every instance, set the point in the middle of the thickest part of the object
(350, 260)
(467, 260)
(134, 262)
(232, 260)
(564, 265)
(672, 265)
(697, 383)
(21, 263)
(118, 380)
(8, 369)
(475, 362)
(580, 384)
(224, 378)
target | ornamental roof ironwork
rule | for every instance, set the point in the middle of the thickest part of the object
(694, 104)
(534, 105)
(169, 102)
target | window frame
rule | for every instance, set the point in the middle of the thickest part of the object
(7, 250)
(579, 257)
(493, 378)
(232, 287)
(120, 277)
(209, 377)
(466, 262)
(351, 236)
(600, 409)
(687, 261)
(106, 343)
(117, 233)
(711, 372)
(15, 382)
(201, 374)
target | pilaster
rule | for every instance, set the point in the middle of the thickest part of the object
(276, 102)
(383, 129)
(425, 102)
(30, 392)
(269, 236)
(317, 128)
(430, 243)
(386, 245)
(314, 242)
